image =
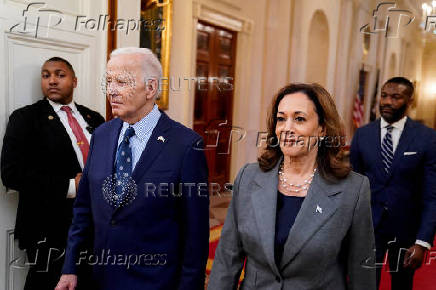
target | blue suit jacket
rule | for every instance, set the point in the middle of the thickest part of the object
(158, 241)
(404, 201)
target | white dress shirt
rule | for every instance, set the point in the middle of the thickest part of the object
(396, 131)
(143, 130)
(64, 120)
(396, 135)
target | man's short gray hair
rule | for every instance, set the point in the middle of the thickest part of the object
(151, 66)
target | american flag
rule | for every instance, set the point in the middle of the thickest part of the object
(358, 114)
(357, 111)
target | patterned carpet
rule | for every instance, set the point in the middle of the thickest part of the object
(214, 237)
(215, 233)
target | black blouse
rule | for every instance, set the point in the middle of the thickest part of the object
(287, 210)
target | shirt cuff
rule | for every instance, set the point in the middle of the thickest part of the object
(424, 244)
(72, 189)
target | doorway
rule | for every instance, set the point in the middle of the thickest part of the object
(213, 108)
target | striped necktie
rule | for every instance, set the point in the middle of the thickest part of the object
(387, 149)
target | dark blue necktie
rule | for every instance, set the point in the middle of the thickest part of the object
(123, 166)
(387, 149)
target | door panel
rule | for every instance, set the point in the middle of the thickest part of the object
(214, 96)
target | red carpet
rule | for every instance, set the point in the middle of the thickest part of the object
(214, 237)
(425, 277)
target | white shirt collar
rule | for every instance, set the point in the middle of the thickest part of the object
(57, 107)
(147, 123)
(399, 124)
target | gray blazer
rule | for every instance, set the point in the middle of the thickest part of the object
(330, 246)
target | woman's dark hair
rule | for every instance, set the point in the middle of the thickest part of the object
(330, 159)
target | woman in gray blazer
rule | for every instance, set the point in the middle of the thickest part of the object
(299, 217)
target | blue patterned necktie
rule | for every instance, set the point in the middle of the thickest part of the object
(387, 149)
(123, 165)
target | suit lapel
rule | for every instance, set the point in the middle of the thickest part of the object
(158, 140)
(91, 122)
(315, 211)
(406, 138)
(53, 121)
(376, 142)
(57, 129)
(264, 200)
(112, 141)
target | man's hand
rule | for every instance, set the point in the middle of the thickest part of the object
(67, 282)
(77, 178)
(414, 257)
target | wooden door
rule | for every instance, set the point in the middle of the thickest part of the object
(213, 110)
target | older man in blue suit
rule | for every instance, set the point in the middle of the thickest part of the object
(143, 196)
(399, 157)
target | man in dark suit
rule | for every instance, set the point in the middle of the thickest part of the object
(399, 157)
(44, 152)
(143, 190)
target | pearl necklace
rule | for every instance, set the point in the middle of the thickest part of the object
(300, 187)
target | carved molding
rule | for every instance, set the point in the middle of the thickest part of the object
(207, 13)
(82, 7)
(11, 256)
(13, 40)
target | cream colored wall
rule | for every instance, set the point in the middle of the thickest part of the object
(318, 49)
(426, 109)
(403, 57)
(276, 53)
(272, 50)
(303, 13)
(128, 9)
(345, 49)
(181, 103)
(406, 48)
(235, 15)
(249, 21)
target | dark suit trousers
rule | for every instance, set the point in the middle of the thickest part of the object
(402, 278)
(45, 267)
(46, 264)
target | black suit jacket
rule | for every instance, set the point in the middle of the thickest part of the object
(38, 160)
